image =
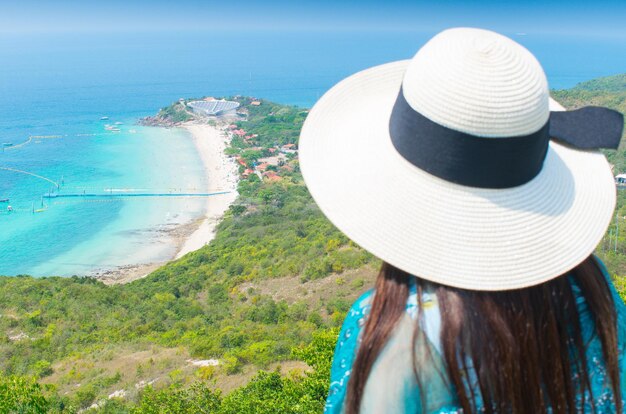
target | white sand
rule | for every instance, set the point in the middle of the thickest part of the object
(222, 176)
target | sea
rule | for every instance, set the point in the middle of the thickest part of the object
(56, 88)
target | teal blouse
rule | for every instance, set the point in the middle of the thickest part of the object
(392, 387)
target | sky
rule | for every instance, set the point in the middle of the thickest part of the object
(567, 17)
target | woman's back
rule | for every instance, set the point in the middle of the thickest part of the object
(457, 169)
(392, 385)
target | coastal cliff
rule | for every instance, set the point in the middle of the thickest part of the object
(170, 116)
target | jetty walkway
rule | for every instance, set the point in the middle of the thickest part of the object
(125, 194)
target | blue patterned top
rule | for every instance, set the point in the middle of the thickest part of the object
(392, 387)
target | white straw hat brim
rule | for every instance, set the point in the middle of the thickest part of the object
(466, 237)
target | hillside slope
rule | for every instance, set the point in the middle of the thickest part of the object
(269, 292)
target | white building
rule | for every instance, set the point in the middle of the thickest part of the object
(213, 107)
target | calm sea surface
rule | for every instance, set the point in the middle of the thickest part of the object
(58, 87)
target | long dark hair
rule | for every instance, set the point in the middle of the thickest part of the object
(535, 348)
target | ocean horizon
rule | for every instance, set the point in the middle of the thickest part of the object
(56, 88)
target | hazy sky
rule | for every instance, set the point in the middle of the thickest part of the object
(589, 17)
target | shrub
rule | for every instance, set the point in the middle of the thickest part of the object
(21, 395)
(42, 368)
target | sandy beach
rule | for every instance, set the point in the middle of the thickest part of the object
(222, 175)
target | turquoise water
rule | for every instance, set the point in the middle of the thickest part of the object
(77, 236)
(62, 85)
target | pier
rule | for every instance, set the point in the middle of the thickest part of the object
(124, 195)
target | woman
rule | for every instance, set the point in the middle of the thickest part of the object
(485, 208)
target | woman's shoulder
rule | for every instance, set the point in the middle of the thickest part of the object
(345, 351)
(348, 343)
(361, 307)
(353, 323)
(363, 304)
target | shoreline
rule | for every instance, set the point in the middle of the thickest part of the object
(222, 174)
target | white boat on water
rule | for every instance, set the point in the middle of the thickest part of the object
(104, 118)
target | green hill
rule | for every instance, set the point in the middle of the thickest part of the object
(265, 298)
(611, 84)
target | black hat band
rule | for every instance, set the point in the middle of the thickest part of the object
(506, 162)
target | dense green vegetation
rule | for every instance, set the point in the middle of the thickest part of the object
(275, 124)
(265, 298)
(267, 392)
(23, 395)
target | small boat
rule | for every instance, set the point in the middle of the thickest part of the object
(104, 118)
(115, 129)
(119, 123)
(4, 200)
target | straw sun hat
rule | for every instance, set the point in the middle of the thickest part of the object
(452, 167)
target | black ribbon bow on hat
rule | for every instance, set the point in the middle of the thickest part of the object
(475, 161)
(591, 127)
